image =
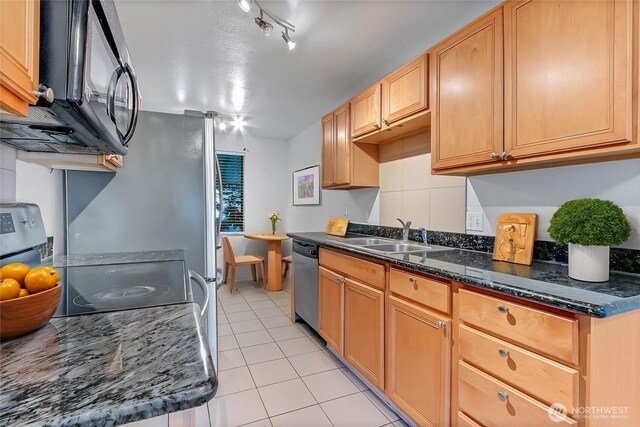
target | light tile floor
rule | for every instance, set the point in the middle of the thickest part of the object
(272, 372)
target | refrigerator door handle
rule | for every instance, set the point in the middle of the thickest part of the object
(205, 290)
(219, 218)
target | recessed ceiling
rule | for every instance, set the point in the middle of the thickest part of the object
(210, 55)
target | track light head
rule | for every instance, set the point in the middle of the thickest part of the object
(287, 39)
(245, 5)
(266, 27)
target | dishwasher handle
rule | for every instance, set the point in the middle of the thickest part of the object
(205, 290)
(309, 250)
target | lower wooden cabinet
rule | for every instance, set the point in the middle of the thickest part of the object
(364, 330)
(418, 362)
(330, 308)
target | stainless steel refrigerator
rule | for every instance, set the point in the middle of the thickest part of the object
(163, 198)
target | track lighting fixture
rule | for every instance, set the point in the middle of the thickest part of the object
(245, 5)
(290, 43)
(266, 26)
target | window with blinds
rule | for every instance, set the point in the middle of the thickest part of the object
(232, 172)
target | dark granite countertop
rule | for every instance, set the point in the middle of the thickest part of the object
(543, 282)
(107, 369)
(117, 258)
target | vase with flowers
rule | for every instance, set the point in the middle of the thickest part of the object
(274, 218)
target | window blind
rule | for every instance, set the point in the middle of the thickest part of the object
(232, 172)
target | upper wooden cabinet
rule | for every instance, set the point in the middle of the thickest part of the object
(345, 164)
(405, 91)
(395, 107)
(568, 71)
(569, 93)
(365, 111)
(466, 94)
(19, 54)
(328, 148)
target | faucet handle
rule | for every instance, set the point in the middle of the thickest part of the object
(402, 222)
(425, 235)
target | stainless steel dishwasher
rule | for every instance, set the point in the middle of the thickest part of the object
(305, 274)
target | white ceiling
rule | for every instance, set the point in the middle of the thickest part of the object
(210, 55)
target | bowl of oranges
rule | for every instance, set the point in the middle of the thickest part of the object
(28, 298)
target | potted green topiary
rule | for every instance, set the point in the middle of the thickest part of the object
(589, 227)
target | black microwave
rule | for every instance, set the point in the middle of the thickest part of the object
(85, 62)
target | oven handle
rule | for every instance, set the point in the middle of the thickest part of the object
(203, 285)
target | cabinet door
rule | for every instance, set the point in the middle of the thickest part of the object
(418, 362)
(19, 54)
(466, 94)
(567, 75)
(328, 138)
(330, 303)
(342, 152)
(405, 91)
(364, 330)
(365, 112)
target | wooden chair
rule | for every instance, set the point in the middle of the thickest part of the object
(231, 261)
(286, 262)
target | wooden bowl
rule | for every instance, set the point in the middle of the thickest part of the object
(19, 316)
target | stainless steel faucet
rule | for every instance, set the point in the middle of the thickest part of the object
(405, 229)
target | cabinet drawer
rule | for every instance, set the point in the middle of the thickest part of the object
(546, 380)
(479, 396)
(421, 289)
(545, 332)
(364, 271)
(464, 421)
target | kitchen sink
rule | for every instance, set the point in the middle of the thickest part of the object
(399, 248)
(365, 241)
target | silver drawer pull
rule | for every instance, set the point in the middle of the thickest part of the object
(441, 324)
(503, 352)
(503, 308)
(503, 396)
(412, 280)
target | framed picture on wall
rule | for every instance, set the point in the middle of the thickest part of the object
(306, 186)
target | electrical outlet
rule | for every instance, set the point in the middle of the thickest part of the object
(474, 221)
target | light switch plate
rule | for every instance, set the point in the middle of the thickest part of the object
(474, 221)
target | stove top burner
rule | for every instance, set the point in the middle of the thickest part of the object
(122, 297)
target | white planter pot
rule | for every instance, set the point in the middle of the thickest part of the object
(589, 263)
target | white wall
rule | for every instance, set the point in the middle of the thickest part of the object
(27, 182)
(266, 189)
(542, 191)
(358, 205)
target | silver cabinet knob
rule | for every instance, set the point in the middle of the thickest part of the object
(504, 155)
(503, 396)
(385, 121)
(503, 352)
(503, 308)
(494, 155)
(376, 125)
(45, 93)
(441, 324)
(412, 280)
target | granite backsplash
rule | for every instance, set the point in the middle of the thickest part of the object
(624, 260)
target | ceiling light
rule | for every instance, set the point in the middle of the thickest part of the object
(238, 123)
(287, 39)
(266, 27)
(245, 5)
(222, 125)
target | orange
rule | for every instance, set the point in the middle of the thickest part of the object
(23, 293)
(56, 275)
(9, 289)
(40, 279)
(15, 270)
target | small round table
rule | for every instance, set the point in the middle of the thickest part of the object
(274, 262)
